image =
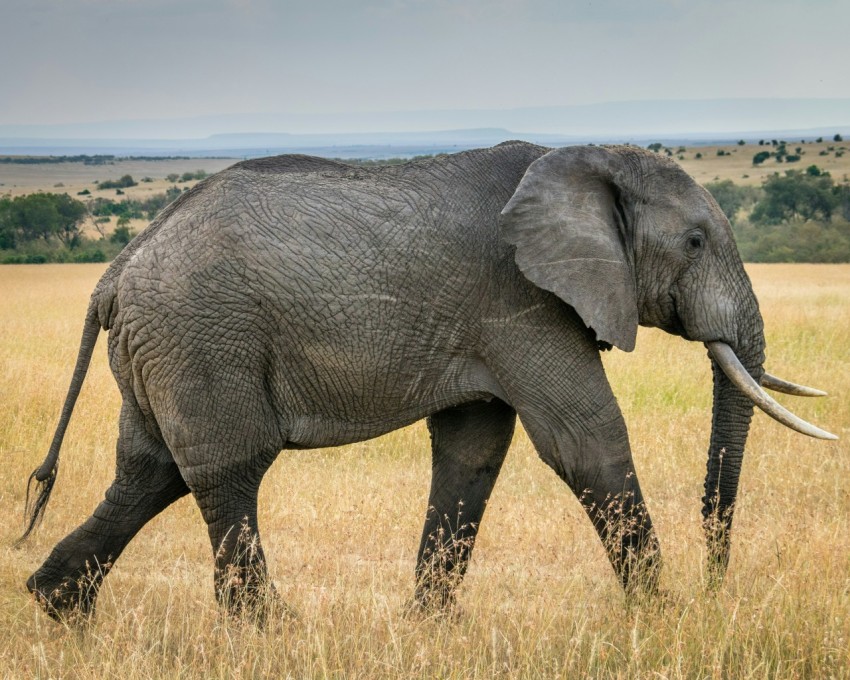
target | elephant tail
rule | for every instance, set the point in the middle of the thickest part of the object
(44, 476)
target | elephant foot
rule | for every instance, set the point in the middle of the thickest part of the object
(70, 599)
(246, 597)
(417, 610)
(433, 602)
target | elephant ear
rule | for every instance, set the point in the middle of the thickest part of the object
(567, 219)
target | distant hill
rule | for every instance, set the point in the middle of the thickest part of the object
(384, 134)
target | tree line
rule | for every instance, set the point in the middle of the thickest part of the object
(796, 216)
(85, 159)
(48, 227)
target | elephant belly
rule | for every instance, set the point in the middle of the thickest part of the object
(345, 404)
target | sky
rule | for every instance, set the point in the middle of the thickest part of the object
(74, 61)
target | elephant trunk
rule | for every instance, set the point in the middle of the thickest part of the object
(732, 411)
(738, 377)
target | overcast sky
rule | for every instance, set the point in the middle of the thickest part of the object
(92, 60)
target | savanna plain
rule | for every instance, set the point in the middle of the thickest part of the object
(341, 528)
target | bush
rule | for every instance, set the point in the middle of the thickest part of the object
(730, 197)
(122, 183)
(189, 176)
(122, 235)
(794, 241)
(761, 157)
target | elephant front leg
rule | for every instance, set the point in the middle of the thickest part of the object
(615, 505)
(468, 444)
(596, 463)
(566, 405)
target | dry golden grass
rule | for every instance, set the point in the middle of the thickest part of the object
(341, 528)
(17, 179)
(737, 164)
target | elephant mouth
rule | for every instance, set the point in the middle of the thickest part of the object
(674, 324)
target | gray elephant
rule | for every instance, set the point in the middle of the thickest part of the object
(294, 302)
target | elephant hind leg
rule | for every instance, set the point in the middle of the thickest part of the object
(224, 471)
(469, 444)
(147, 480)
(229, 507)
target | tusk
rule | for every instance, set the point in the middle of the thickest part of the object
(771, 382)
(734, 370)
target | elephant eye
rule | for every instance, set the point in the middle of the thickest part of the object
(696, 241)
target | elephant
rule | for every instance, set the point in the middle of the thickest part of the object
(294, 302)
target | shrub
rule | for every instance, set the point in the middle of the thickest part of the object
(730, 197)
(122, 183)
(122, 235)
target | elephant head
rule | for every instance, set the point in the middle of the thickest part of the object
(626, 237)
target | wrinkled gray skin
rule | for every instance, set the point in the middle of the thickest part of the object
(293, 302)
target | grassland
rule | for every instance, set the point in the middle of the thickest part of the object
(341, 528)
(72, 178)
(734, 164)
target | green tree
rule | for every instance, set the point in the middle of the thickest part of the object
(42, 216)
(729, 196)
(842, 199)
(7, 231)
(71, 213)
(122, 234)
(761, 157)
(795, 195)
